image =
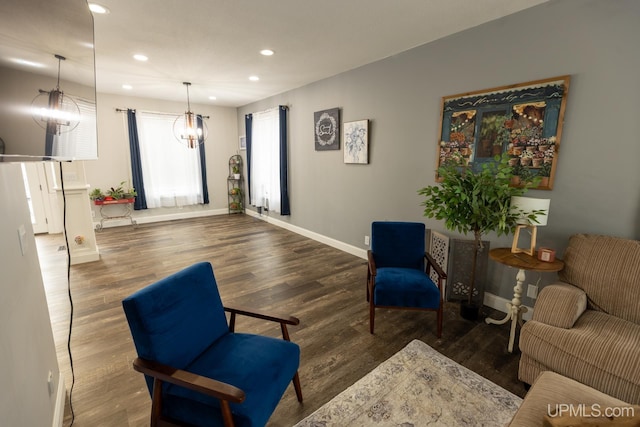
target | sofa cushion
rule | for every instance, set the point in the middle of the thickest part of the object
(405, 287)
(551, 390)
(560, 305)
(601, 351)
(260, 366)
(608, 270)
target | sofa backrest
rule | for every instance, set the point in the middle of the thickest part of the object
(608, 270)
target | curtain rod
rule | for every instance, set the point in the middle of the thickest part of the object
(286, 107)
(124, 110)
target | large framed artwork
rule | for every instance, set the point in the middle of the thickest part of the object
(356, 142)
(524, 120)
(327, 129)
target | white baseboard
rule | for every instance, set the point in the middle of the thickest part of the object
(146, 219)
(498, 303)
(353, 250)
(58, 412)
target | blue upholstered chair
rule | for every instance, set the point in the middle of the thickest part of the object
(398, 274)
(198, 370)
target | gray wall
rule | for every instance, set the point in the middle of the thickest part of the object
(597, 182)
(27, 350)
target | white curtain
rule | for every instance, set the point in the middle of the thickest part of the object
(265, 160)
(80, 143)
(171, 170)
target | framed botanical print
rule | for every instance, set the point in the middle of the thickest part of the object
(523, 120)
(356, 142)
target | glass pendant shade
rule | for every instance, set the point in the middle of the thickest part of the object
(186, 129)
(53, 111)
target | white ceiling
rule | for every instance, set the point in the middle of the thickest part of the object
(215, 44)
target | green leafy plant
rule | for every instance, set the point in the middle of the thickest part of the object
(96, 194)
(545, 170)
(493, 127)
(477, 202)
(122, 192)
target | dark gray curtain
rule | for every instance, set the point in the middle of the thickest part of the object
(203, 162)
(136, 165)
(284, 166)
(248, 127)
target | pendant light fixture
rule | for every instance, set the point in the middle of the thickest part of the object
(186, 128)
(53, 111)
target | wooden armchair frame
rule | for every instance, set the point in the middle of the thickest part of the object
(371, 284)
(227, 393)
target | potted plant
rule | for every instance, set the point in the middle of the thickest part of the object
(96, 194)
(477, 202)
(544, 174)
(236, 172)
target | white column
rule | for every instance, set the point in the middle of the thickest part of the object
(79, 222)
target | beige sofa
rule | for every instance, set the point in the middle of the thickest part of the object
(554, 398)
(587, 326)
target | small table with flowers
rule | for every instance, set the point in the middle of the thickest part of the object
(124, 206)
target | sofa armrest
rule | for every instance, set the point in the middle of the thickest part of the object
(560, 305)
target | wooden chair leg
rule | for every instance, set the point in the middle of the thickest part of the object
(296, 385)
(372, 315)
(156, 403)
(368, 283)
(227, 418)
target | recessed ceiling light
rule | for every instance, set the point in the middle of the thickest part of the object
(99, 9)
(254, 78)
(213, 98)
(127, 87)
(140, 57)
(267, 52)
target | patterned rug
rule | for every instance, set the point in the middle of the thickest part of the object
(418, 387)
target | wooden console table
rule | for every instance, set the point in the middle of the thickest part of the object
(522, 262)
(125, 210)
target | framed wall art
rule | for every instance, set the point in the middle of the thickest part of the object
(327, 129)
(242, 142)
(356, 142)
(523, 120)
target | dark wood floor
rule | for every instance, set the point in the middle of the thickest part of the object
(256, 264)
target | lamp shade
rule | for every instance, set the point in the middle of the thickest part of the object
(524, 206)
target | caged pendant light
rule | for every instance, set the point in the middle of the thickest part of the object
(186, 128)
(53, 111)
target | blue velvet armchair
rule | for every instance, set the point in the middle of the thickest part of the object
(199, 371)
(399, 268)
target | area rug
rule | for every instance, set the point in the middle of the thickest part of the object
(418, 387)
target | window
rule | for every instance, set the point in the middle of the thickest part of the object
(267, 158)
(171, 171)
(81, 142)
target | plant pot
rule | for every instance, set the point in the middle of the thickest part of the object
(469, 311)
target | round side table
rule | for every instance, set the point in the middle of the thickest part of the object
(522, 262)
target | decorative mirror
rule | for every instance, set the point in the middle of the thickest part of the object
(47, 81)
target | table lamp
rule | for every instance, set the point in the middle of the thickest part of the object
(525, 206)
